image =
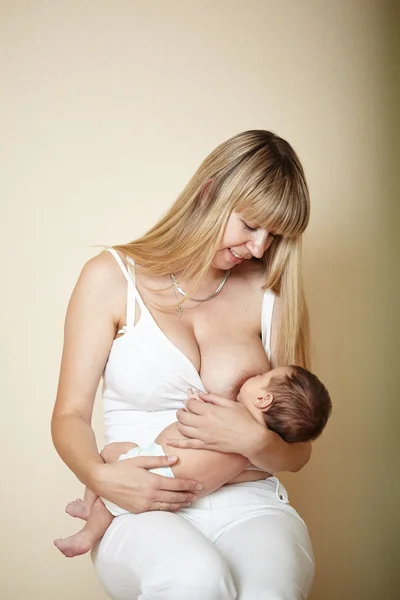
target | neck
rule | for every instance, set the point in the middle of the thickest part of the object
(207, 285)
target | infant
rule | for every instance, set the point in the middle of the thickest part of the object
(288, 400)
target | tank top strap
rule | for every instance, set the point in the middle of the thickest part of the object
(266, 320)
(132, 293)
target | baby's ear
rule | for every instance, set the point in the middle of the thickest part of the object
(265, 401)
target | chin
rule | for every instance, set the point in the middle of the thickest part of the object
(222, 265)
(223, 261)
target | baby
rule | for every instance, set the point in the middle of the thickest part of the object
(290, 401)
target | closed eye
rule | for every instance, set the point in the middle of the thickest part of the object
(249, 227)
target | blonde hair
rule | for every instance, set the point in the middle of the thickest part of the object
(259, 175)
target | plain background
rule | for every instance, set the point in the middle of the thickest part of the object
(107, 110)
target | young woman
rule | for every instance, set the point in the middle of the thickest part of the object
(214, 282)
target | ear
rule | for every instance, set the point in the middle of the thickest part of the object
(264, 402)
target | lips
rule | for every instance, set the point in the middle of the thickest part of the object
(235, 254)
(236, 257)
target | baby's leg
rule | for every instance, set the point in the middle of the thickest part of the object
(82, 508)
(91, 509)
(112, 452)
(95, 527)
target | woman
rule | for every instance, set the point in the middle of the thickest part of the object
(217, 281)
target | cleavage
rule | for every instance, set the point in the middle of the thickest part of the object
(178, 331)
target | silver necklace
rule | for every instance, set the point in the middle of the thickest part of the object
(180, 307)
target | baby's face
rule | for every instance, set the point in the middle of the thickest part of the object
(257, 387)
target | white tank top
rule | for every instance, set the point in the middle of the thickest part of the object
(146, 377)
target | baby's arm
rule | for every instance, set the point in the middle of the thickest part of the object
(211, 468)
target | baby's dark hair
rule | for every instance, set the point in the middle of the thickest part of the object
(301, 405)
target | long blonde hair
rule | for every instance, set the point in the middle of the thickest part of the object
(259, 175)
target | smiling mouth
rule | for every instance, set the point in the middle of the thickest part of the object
(236, 255)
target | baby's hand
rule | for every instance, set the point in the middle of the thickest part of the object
(194, 394)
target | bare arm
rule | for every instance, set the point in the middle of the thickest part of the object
(90, 328)
(271, 453)
(88, 335)
(226, 426)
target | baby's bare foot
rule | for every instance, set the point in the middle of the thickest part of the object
(78, 508)
(77, 544)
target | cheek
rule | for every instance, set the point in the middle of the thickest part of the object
(234, 236)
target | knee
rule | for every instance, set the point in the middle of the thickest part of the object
(207, 579)
(112, 452)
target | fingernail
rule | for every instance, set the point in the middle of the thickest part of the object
(198, 486)
(172, 458)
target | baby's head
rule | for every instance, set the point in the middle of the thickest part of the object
(290, 401)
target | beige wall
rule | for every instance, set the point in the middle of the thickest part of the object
(107, 110)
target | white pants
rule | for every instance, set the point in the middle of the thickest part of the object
(241, 542)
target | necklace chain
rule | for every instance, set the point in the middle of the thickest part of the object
(180, 291)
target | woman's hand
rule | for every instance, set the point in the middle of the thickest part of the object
(129, 484)
(217, 423)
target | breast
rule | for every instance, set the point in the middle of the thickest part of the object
(230, 360)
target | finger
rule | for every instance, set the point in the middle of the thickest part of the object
(186, 417)
(217, 400)
(152, 462)
(175, 497)
(200, 437)
(193, 394)
(189, 431)
(170, 507)
(172, 485)
(195, 406)
(187, 443)
(201, 434)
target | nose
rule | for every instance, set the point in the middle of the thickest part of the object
(258, 243)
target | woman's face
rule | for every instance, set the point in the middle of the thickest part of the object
(242, 240)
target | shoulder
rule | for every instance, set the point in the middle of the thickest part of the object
(101, 283)
(102, 270)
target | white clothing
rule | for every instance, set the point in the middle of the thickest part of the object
(241, 542)
(147, 377)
